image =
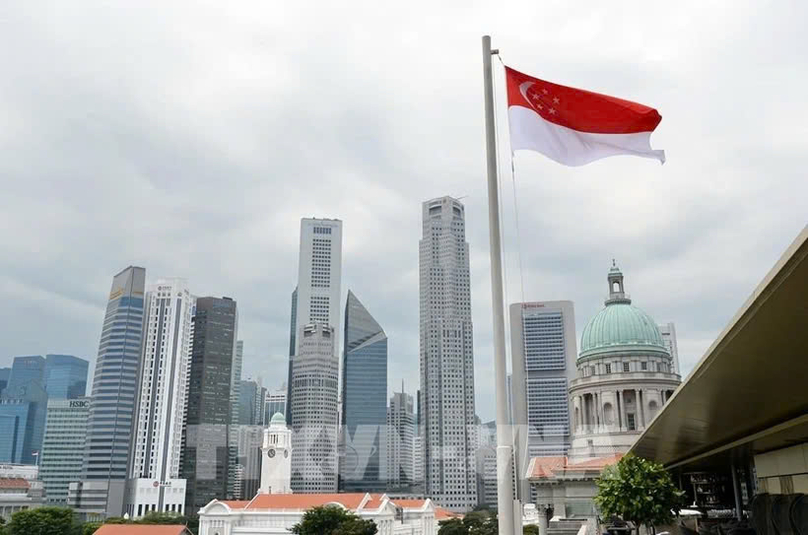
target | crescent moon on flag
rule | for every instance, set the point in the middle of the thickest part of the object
(523, 87)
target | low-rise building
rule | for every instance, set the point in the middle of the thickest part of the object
(18, 494)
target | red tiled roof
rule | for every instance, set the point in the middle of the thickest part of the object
(374, 502)
(14, 483)
(443, 514)
(304, 501)
(141, 529)
(235, 504)
(548, 467)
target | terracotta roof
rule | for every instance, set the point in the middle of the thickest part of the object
(235, 504)
(374, 502)
(444, 514)
(304, 501)
(549, 467)
(14, 483)
(410, 504)
(141, 529)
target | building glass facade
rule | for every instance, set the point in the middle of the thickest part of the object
(205, 460)
(115, 382)
(364, 400)
(65, 376)
(25, 370)
(22, 411)
(63, 447)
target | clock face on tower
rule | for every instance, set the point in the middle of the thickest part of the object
(271, 453)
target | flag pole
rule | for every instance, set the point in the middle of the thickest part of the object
(505, 503)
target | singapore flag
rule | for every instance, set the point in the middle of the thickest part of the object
(576, 127)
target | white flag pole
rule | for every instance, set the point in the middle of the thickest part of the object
(505, 502)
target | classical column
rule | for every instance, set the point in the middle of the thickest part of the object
(541, 509)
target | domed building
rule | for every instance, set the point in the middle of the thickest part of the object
(625, 374)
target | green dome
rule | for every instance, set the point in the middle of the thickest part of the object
(620, 327)
(278, 418)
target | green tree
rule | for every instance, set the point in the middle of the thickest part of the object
(43, 521)
(638, 491)
(90, 527)
(356, 526)
(154, 517)
(530, 529)
(452, 526)
(324, 520)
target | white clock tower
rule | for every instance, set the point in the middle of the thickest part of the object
(276, 458)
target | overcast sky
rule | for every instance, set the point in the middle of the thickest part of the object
(190, 139)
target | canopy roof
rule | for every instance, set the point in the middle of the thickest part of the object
(748, 393)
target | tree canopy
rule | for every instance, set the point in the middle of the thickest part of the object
(333, 520)
(43, 521)
(638, 491)
(530, 529)
(480, 522)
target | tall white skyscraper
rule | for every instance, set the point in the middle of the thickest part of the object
(313, 404)
(162, 400)
(319, 275)
(668, 332)
(447, 357)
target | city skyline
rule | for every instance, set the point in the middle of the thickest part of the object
(383, 152)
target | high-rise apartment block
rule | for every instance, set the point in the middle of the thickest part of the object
(447, 357)
(364, 401)
(400, 447)
(63, 447)
(114, 394)
(162, 401)
(213, 353)
(315, 380)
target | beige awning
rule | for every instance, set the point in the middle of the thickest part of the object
(749, 393)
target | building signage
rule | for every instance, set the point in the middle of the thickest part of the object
(79, 404)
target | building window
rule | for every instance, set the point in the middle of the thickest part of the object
(625, 366)
(643, 366)
(608, 368)
(632, 425)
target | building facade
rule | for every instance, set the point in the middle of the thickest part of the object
(313, 402)
(23, 408)
(114, 392)
(235, 396)
(399, 465)
(668, 332)
(162, 401)
(63, 447)
(26, 370)
(213, 352)
(5, 373)
(447, 357)
(364, 401)
(275, 402)
(65, 376)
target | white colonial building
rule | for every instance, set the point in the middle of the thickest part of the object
(274, 510)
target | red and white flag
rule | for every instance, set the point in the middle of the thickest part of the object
(576, 127)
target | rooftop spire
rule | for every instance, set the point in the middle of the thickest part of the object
(617, 292)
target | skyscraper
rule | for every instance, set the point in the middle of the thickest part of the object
(447, 357)
(543, 346)
(5, 373)
(235, 389)
(315, 373)
(111, 414)
(25, 370)
(213, 352)
(251, 403)
(668, 332)
(364, 400)
(63, 446)
(65, 376)
(319, 276)
(400, 433)
(162, 401)
(23, 406)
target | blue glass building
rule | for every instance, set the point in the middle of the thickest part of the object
(115, 382)
(22, 423)
(25, 370)
(5, 373)
(364, 400)
(65, 376)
